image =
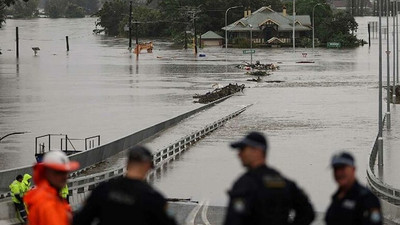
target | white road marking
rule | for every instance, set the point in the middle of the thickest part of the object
(204, 213)
(192, 215)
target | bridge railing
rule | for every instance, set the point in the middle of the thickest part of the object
(380, 188)
(81, 185)
(91, 157)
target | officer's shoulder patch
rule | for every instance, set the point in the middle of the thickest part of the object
(273, 181)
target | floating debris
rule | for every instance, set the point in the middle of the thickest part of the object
(305, 61)
(259, 73)
(259, 80)
(219, 93)
(255, 80)
(258, 66)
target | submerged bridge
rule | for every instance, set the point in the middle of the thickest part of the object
(188, 212)
(80, 186)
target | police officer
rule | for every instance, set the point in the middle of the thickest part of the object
(16, 196)
(352, 204)
(262, 195)
(127, 200)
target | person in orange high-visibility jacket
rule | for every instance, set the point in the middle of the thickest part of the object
(44, 203)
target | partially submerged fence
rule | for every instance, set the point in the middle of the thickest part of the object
(79, 187)
(96, 155)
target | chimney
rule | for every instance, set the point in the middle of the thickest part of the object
(245, 13)
(284, 11)
(248, 12)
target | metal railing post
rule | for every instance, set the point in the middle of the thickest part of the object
(49, 142)
(36, 143)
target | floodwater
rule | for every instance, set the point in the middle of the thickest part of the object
(98, 88)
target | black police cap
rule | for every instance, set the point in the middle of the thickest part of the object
(253, 139)
(139, 154)
(342, 159)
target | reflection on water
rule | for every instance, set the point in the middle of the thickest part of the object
(99, 88)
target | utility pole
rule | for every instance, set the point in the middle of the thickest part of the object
(137, 40)
(394, 13)
(397, 42)
(195, 33)
(380, 122)
(192, 12)
(294, 26)
(387, 67)
(130, 25)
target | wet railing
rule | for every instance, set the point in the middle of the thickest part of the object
(94, 156)
(380, 188)
(78, 187)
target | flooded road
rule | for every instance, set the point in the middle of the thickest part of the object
(99, 88)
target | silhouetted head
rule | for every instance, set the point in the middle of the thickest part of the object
(344, 170)
(252, 149)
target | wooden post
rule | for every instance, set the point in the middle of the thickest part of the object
(195, 34)
(185, 39)
(137, 41)
(66, 40)
(130, 25)
(369, 34)
(17, 41)
(200, 41)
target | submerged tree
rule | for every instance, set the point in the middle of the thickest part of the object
(22, 9)
(3, 5)
(74, 11)
(111, 14)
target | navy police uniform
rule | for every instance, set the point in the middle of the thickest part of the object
(358, 207)
(124, 201)
(263, 196)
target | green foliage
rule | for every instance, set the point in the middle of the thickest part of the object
(22, 9)
(90, 6)
(2, 13)
(3, 10)
(111, 15)
(212, 16)
(74, 11)
(306, 42)
(55, 8)
(241, 43)
(114, 17)
(338, 28)
(70, 8)
(147, 19)
(329, 26)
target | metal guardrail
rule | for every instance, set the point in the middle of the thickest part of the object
(97, 155)
(84, 184)
(380, 188)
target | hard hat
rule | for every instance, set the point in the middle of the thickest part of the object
(58, 160)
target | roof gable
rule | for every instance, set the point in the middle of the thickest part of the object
(211, 35)
(267, 16)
